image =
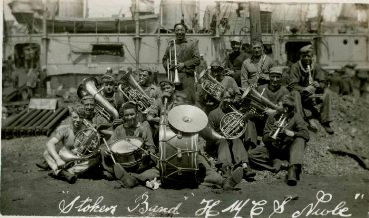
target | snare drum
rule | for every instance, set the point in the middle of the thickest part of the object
(127, 152)
(178, 158)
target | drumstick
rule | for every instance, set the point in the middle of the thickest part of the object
(143, 149)
(111, 155)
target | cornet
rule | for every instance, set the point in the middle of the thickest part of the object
(281, 124)
(175, 80)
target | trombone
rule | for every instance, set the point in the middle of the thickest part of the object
(172, 46)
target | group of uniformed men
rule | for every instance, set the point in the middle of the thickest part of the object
(274, 139)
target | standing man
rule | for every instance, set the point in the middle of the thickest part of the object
(255, 70)
(188, 57)
(308, 80)
(145, 82)
(235, 59)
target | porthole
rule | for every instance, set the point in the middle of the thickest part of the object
(356, 41)
(345, 41)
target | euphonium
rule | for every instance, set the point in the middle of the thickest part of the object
(86, 144)
(134, 92)
(258, 103)
(233, 125)
(103, 106)
(210, 84)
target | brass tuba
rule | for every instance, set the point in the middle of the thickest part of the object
(210, 85)
(134, 92)
(103, 106)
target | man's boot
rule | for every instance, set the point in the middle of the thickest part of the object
(69, 177)
(127, 180)
(291, 176)
(313, 126)
(328, 128)
(234, 179)
(43, 165)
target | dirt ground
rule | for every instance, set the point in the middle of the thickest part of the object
(329, 183)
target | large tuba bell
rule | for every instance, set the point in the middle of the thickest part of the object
(210, 84)
(257, 104)
(103, 106)
(134, 92)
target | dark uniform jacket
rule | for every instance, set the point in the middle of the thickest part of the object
(187, 53)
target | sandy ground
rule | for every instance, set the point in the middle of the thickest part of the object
(25, 190)
(329, 184)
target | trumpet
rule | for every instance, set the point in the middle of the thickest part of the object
(281, 123)
(210, 84)
(233, 125)
(175, 80)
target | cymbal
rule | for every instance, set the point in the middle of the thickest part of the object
(187, 118)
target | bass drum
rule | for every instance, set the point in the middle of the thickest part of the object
(178, 159)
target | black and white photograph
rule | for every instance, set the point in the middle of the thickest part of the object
(185, 108)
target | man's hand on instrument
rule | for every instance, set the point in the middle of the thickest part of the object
(316, 84)
(180, 66)
(264, 76)
(310, 89)
(270, 111)
(289, 133)
(117, 122)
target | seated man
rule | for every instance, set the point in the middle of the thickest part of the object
(310, 82)
(110, 93)
(205, 100)
(255, 69)
(130, 127)
(168, 90)
(67, 164)
(274, 91)
(285, 135)
(231, 152)
(89, 113)
(210, 176)
(145, 82)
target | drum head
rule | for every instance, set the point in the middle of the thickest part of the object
(126, 145)
(187, 118)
